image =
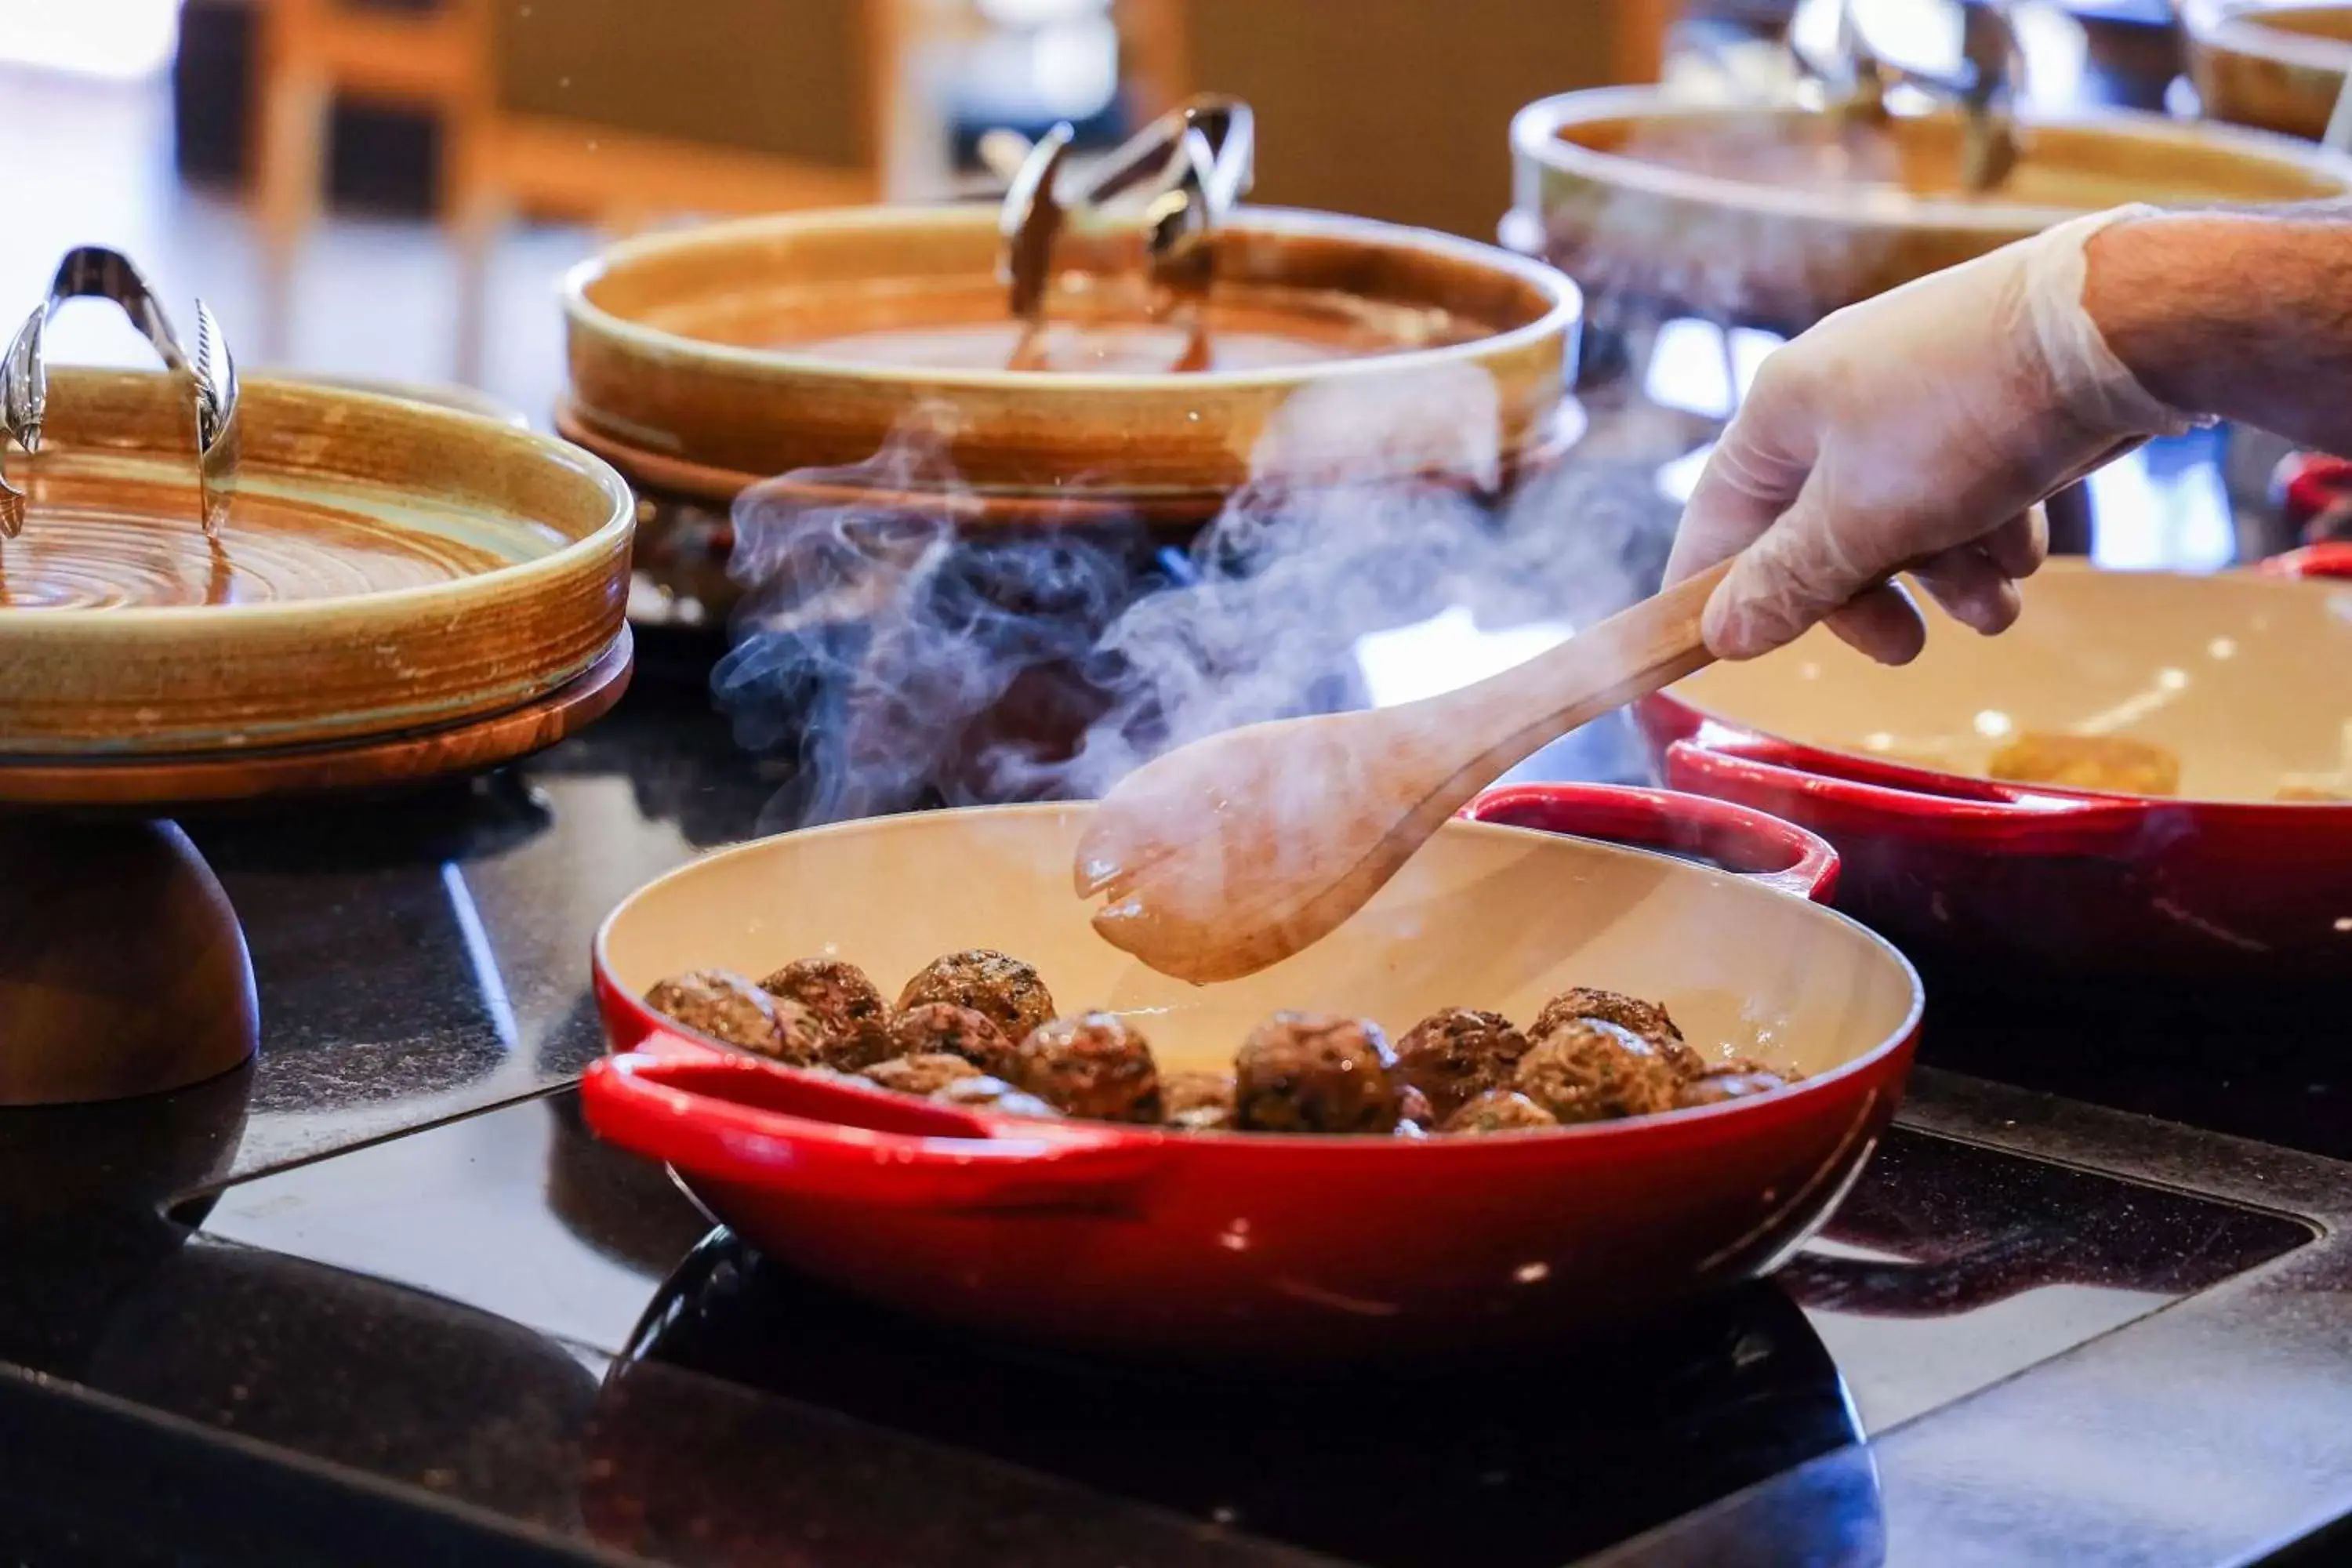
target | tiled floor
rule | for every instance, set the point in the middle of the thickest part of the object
(89, 162)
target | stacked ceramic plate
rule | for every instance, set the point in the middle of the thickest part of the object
(394, 591)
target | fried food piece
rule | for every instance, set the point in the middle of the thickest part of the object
(1583, 1071)
(1646, 1021)
(1498, 1110)
(925, 1075)
(1303, 1072)
(1003, 989)
(1459, 1054)
(1197, 1102)
(801, 1038)
(2108, 762)
(1715, 1087)
(855, 1018)
(1094, 1066)
(942, 1029)
(984, 1093)
(720, 1003)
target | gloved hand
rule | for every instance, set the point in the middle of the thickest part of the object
(1916, 431)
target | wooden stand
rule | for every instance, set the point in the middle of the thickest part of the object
(122, 968)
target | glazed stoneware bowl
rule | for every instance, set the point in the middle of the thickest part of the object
(1778, 217)
(710, 360)
(387, 567)
(2276, 64)
(2245, 679)
(1243, 1243)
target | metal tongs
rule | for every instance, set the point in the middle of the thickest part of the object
(1181, 175)
(1985, 90)
(93, 271)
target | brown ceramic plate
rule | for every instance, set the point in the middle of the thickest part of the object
(708, 360)
(2276, 64)
(387, 567)
(1782, 215)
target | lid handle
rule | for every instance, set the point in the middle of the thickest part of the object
(92, 271)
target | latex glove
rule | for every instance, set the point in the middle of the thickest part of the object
(1916, 430)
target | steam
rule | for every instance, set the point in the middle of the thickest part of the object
(903, 651)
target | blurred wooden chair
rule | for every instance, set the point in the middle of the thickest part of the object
(516, 91)
(619, 114)
(1402, 109)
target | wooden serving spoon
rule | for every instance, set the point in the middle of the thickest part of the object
(1237, 851)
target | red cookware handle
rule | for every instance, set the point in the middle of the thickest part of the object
(738, 1119)
(1761, 848)
(2332, 559)
(1826, 788)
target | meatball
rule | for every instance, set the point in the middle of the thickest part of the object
(1005, 991)
(1587, 1071)
(1715, 1087)
(992, 1094)
(1458, 1055)
(720, 1003)
(1094, 1066)
(1302, 1072)
(942, 1029)
(1646, 1021)
(926, 1074)
(801, 1038)
(1498, 1111)
(856, 1019)
(1197, 1102)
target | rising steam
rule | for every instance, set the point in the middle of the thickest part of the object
(905, 653)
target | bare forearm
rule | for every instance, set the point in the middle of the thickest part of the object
(2244, 315)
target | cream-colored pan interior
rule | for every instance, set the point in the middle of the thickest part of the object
(2246, 679)
(1486, 916)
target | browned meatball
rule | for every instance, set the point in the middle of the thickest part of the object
(1498, 1111)
(942, 1029)
(992, 1094)
(1005, 991)
(720, 1003)
(856, 1019)
(926, 1074)
(1194, 1090)
(1646, 1021)
(1303, 1072)
(1095, 1066)
(1715, 1087)
(801, 1038)
(1458, 1055)
(1587, 1071)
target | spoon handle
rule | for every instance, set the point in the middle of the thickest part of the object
(1633, 653)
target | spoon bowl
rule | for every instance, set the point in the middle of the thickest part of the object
(1233, 853)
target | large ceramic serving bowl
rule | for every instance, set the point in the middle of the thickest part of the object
(706, 360)
(2276, 64)
(385, 567)
(2245, 678)
(1780, 216)
(1235, 1244)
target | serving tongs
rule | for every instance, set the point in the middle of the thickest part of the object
(94, 272)
(1986, 88)
(1179, 177)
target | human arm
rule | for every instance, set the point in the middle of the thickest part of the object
(1917, 430)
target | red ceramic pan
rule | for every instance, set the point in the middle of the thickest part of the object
(1236, 1244)
(2245, 678)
